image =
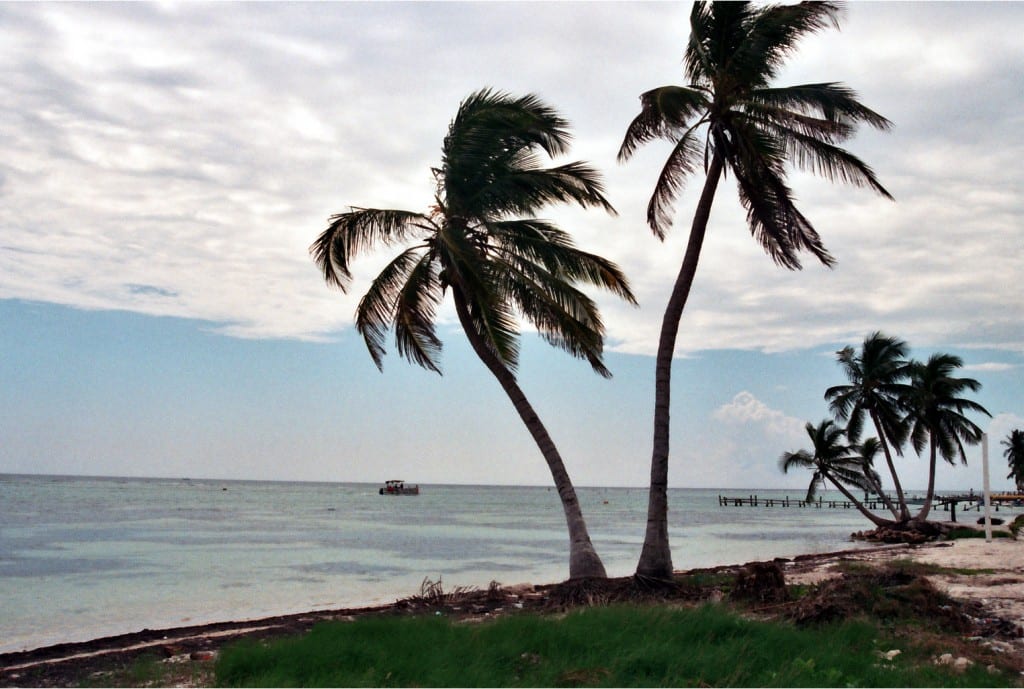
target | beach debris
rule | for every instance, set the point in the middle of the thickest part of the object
(886, 593)
(959, 663)
(760, 582)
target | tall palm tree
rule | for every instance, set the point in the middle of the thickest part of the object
(730, 118)
(830, 459)
(481, 243)
(936, 414)
(1014, 454)
(876, 374)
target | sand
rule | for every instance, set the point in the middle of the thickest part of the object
(999, 587)
(973, 570)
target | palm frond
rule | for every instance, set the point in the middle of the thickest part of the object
(801, 459)
(472, 278)
(522, 189)
(682, 162)
(564, 316)
(772, 33)
(665, 113)
(415, 307)
(774, 220)
(829, 161)
(351, 233)
(836, 103)
(376, 311)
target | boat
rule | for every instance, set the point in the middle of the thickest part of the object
(396, 487)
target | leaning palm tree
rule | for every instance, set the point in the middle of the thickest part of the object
(876, 374)
(936, 415)
(730, 118)
(866, 452)
(832, 461)
(481, 243)
(1014, 454)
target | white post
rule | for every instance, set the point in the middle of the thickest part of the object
(988, 494)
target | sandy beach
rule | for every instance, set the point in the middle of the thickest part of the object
(988, 574)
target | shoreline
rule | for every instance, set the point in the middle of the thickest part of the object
(991, 574)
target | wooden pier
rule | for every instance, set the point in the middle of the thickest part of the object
(947, 503)
(755, 501)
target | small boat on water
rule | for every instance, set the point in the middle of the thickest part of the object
(396, 487)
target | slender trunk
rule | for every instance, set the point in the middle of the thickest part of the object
(904, 512)
(927, 507)
(872, 517)
(583, 558)
(877, 487)
(656, 556)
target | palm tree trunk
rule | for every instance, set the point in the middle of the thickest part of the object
(904, 512)
(583, 558)
(877, 487)
(930, 495)
(872, 517)
(656, 555)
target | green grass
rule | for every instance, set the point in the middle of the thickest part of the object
(605, 646)
(970, 532)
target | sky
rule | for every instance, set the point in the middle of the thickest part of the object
(167, 165)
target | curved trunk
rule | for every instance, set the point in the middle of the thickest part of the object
(583, 559)
(656, 556)
(872, 517)
(930, 495)
(904, 512)
(877, 487)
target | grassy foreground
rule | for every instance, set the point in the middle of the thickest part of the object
(618, 645)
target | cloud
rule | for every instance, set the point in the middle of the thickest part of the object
(744, 408)
(199, 149)
(992, 366)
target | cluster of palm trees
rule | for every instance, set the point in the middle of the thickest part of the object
(907, 401)
(482, 242)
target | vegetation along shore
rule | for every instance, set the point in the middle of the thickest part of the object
(947, 613)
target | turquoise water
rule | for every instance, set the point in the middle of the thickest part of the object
(87, 557)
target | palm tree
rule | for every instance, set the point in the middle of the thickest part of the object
(730, 118)
(833, 461)
(876, 376)
(481, 242)
(1014, 454)
(935, 413)
(866, 452)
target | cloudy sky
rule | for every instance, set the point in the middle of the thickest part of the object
(167, 165)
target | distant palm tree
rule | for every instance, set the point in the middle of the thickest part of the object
(866, 452)
(830, 459)
(1014, 454)
(935, 413)
(876, 374)
(730, 118)
(481, 242)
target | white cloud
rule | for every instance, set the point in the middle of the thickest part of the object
(198, 149)
(744, 408)
(991, 366)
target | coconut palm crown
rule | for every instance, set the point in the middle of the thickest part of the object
(730, 118)
(936, 415)
(832, 460)
(1014, 454)
(877, 375)
(482, 243)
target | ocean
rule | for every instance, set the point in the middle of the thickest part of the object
(82, 558)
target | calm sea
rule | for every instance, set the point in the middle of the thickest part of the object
(82, 558)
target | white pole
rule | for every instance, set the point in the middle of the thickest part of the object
(988, 494)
